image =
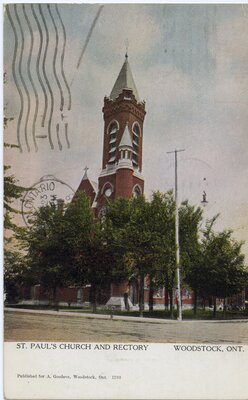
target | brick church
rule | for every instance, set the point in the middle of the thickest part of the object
(121, 174)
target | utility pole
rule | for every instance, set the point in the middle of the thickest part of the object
(179, 317)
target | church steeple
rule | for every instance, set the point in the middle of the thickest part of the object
(124, 81)
(123, 114)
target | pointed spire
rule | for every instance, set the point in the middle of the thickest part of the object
(126, 138)
(124, 81)
(85, 177)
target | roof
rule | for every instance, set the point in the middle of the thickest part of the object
(126, 138)
(124, 81)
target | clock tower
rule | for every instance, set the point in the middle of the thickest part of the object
(123, 114)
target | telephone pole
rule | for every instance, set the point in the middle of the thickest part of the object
(179, 317)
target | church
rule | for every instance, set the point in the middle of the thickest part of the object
(121, 174)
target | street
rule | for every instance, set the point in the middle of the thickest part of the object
(54, 326)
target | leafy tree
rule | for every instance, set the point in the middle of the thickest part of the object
(144, 233)
(190, 219)
(163, 235)
(56, 243)
(66, 246)
(223, 269)
(12, 192)
(128, 224)
(15, 276)
(45, 252)
(13, 268)
(92, 259)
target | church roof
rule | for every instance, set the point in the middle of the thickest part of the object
(87, 186)
(124, 81)
(126, 138)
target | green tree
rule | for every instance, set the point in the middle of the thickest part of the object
(12, 192)
(65, 245)
(190, 219)
(56, 244)
(15, 272)
(224, 272)
(13, 267)
(127, 222)
(144, 236)
(162, 223)
(45, 252)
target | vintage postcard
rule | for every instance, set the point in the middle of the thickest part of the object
(125, 201)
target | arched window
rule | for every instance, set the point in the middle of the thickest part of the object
(112, 132)
(136, 142)
(137, 191)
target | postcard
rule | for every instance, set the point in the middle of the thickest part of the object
(125, 201)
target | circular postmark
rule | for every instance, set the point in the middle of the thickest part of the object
(48, 190)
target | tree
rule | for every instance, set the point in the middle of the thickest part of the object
(92, 260)
(144, 233)
(45, 253)
(13, 267)
(65, 245)
(12, 191)
(190, 219)
(163, 235)
(14, 275)
(56, 244)
(223, 269)
(127, 222)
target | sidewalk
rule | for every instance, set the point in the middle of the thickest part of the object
(117, 317)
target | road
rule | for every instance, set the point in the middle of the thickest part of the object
(29, 325)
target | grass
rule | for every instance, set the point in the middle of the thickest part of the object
(164, 314)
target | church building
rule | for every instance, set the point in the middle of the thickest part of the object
(121, 174)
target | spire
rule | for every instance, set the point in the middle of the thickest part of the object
(126, 138)
(124, 81)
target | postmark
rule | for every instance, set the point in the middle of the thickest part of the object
(48, 190)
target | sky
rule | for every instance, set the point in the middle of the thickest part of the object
(189, 63)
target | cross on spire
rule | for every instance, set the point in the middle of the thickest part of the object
(127, 45)
(85, 173)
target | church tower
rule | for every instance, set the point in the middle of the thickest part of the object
(123, 114)
(121, 174)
